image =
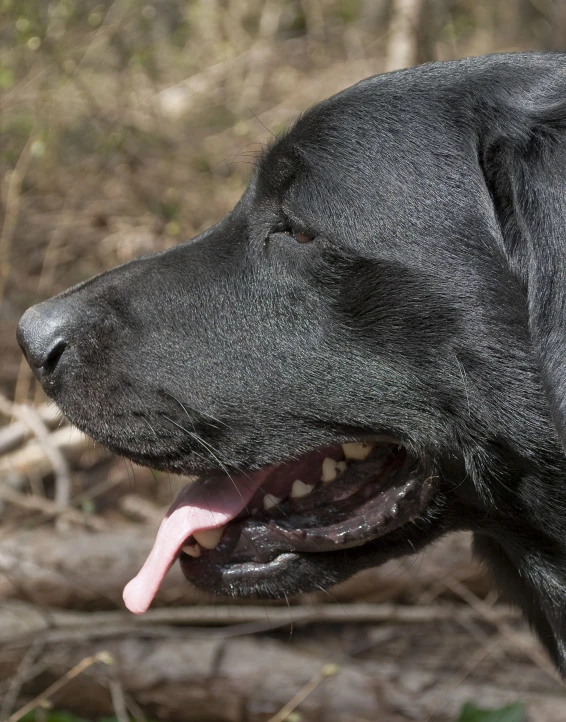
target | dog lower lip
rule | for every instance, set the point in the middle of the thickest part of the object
(375, 497)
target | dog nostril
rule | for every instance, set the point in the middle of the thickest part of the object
(53, 357)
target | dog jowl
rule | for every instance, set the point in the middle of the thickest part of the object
(365, 354)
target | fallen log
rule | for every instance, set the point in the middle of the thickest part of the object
(88, 570)
(80, 569)
(183, 679)
(204, 681)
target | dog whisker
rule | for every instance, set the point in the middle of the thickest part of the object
(207, 447)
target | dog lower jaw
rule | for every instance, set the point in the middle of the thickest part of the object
(299, 573)
(251, 580)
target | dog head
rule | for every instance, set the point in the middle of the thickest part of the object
(391, 280)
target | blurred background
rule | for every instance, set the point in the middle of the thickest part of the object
(127, 127)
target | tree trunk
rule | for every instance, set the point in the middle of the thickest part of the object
(401, 48)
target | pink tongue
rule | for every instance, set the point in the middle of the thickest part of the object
(197, 506)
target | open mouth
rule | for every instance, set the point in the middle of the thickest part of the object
(251, 524)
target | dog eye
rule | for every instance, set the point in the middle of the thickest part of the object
(290, 232)
(302, 237)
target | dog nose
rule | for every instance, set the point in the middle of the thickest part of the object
(43, 334)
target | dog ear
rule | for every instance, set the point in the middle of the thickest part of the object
(523, 158)
(524, 162)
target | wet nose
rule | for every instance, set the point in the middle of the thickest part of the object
(44, 334)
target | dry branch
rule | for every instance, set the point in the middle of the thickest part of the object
(20, 622)
(32, 458)
(17, 432)
(12, 209)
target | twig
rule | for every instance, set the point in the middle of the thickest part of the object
(401, 44)
(138, 508)
(101, 488)
(134, 708)
(12, 210)
(12, 480)
(459, 677)
(63, 483)
(93, 625)
(87, 662)
(118, 700)
(329, 670)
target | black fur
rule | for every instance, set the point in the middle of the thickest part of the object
(430, 306)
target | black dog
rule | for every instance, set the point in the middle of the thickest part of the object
(395, 274)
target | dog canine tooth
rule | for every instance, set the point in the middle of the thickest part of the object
(193, 550)
(329, 471)
(356, 451)
(300, 489)
(269, 501)
(209, 538)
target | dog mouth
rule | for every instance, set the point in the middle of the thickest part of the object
(250, 525)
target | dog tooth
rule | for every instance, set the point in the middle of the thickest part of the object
(300, 489)
(356, 451)
(329, 472)
(209, 538)
(341, 466)
(193, 550)
(269, 501)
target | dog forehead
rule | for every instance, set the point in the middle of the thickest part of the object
(370, 134)
(339, 123)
